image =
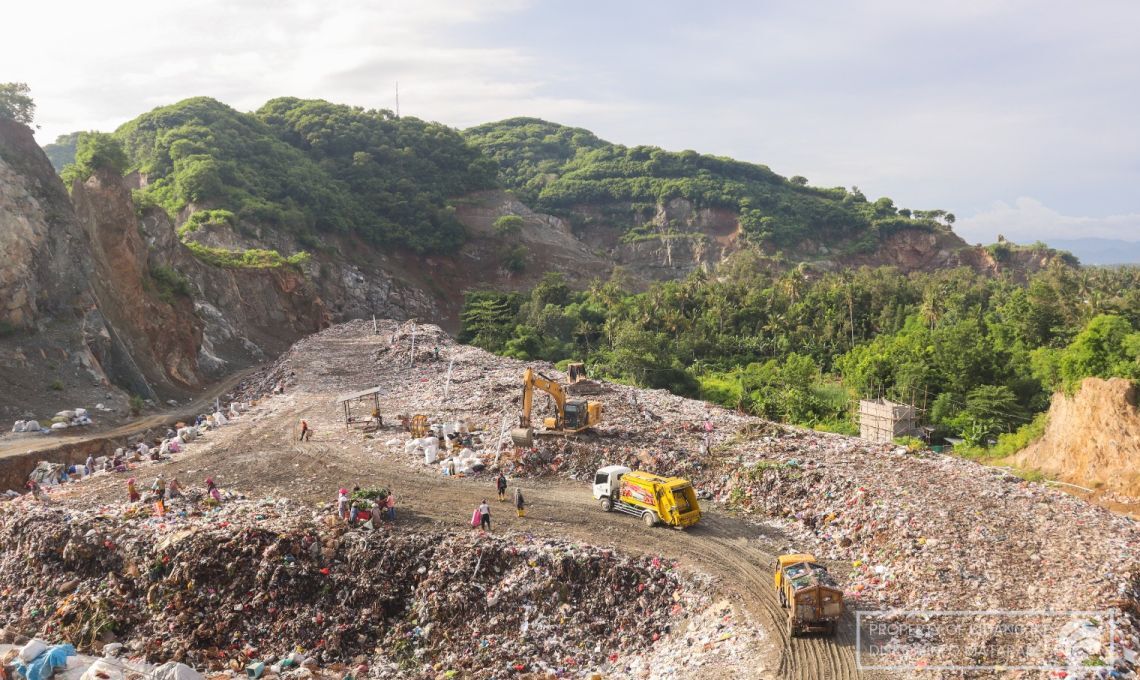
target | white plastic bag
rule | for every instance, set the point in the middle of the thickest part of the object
(102, 670)
(172, 670)
(32, 650)
(430, 454)
(19, 426)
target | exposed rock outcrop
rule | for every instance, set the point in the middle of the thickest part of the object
(1093, 438)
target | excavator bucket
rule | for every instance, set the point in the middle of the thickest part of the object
(522, 436)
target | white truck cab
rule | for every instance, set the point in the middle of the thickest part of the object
(607, 481)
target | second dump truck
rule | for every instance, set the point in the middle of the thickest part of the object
(813, 599)
(668, 500)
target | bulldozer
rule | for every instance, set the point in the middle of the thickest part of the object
(572, 416)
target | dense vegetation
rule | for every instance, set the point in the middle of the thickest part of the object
(95, 151)
(16, 103)
(981, 355)
(61, 152)
(557, 168)
(308, 167)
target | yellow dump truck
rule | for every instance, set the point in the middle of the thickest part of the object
(813, 599)
(669, 500)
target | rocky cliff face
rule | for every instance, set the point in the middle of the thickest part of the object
(160, 336)
(43, 273)
(86, 316)
(1093, 438)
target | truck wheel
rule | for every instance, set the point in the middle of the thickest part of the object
(649, 519)
(607, 504)
(791, 628)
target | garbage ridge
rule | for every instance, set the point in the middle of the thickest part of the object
(259, 581)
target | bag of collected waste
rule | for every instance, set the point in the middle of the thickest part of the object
(102, 670)
(43, 666)
(410, 447)
(431, 454)
(30, 651)
(59, 426)
(392, 443)
(80, 412)
(172, 670)
(66, 415)
(219, 419)
(477, 518)
(19, 426)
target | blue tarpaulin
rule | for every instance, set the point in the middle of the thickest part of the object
(42, 667)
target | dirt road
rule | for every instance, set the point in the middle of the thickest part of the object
(19, 445)
(259, 456)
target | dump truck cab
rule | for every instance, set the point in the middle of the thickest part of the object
(607, 481)
(812, 597)
(655, 499)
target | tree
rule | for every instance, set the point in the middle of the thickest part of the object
(799, 180)
(16, 103)
(95, 151)
(508, 225)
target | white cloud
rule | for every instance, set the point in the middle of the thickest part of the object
(1028, 220)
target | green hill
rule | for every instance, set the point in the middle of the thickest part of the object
(309, 167)
(558, 169)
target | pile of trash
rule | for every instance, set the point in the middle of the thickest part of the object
(935, 532)
(77, 417)
(248, 583)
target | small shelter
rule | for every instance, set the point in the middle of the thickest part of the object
(881, 421)
(368, 397)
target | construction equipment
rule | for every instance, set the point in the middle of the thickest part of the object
(654, 499)
(575, 372)
(813, 599)
(572, 416)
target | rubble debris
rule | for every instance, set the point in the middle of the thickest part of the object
(257, 581)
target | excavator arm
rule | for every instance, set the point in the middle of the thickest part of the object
(523, 435)
(533, 380)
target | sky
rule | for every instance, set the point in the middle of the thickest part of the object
(1017, 116)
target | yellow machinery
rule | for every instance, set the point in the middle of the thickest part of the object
(575, 372)
(654, 499)
(814, 600)
(572, 417)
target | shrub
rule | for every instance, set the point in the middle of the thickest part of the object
(169, 283)
(206, 218)
(508, 225)
(56, 385)
(136, 404)
(514, 259)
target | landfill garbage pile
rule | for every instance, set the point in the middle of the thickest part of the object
(935, 532)
(253, 582)
(78, 417)
(652, 430)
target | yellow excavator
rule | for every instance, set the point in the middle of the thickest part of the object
(573, 416)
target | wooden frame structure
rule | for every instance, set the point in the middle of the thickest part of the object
(372, 394)
(881, 421)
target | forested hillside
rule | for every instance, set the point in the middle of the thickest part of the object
(981, 354)
(307, 167)
(558, 169)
